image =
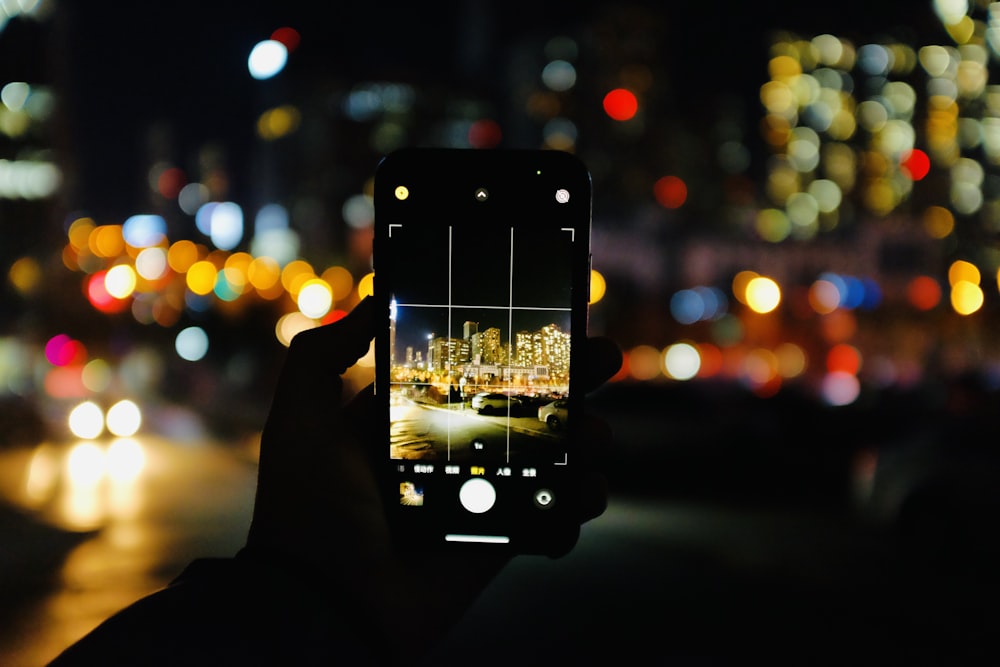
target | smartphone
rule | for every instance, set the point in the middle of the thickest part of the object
(482, 273)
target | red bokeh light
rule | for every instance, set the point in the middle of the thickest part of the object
(288, 36)
(711, 360)
(843, 358)
(620, 104)
(916, 163)
(484, 133)
(924, 292)
(670, 192)
(99, 297)
(170, 182)
(333, 316)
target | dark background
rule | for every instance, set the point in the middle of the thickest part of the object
(734, 526)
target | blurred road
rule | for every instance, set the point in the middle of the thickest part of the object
(74, 548)
(687, 566)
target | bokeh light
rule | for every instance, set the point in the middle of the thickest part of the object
(123, 418)
(126, 460)
(86, 420)
(644, 362)
(762, 294)
(621, 104)
(267, 59)
(315, 298)
(670, 191)
(598, 286)
(191, 343)
(681, 361)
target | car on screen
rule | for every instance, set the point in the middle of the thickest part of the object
(494, 403)
(554, 414)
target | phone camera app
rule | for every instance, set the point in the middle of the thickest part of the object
(402, 192)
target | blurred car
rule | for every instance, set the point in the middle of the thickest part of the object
(488, 403)
(554, 414)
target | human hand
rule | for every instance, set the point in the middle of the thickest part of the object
(319, 506)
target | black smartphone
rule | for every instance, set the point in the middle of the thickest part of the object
(482, 273)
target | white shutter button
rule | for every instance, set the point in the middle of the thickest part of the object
(477, 495)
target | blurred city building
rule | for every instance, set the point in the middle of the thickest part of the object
(782, 198)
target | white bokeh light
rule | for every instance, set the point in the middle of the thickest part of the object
(124, 418)
(267, 59)
(86, 420)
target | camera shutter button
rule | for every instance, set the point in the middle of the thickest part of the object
(477, 495)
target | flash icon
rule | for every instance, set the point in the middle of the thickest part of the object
(562, 195)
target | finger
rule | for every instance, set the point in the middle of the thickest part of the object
(335, 347)
(318, 357)
(604, 359)
(309, 390)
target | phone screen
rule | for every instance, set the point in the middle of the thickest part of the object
(482, 266)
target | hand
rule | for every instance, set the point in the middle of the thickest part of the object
(319, 508)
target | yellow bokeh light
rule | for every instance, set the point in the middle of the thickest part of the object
(938, 222)
(778, 98)
(740, 282)
(25, 274)
(966, 297)
(784, 67)
(263, 273)
(366, 286)
(598, 286)
(182, 255)
(295, 274)
(239, 261)
(201, 277)
(278, 122)
(291, 324)
(79, 232)
(106, 241)
(340, 280)
(961, 270)
(763, 294)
